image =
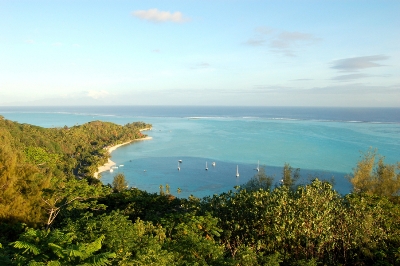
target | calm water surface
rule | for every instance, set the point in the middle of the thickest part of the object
(322, 142)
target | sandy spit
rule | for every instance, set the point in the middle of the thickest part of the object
(107, 166)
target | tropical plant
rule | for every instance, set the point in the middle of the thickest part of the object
(46, 247)
(374, 177)
(119, 182)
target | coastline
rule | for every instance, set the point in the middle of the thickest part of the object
(107, 166)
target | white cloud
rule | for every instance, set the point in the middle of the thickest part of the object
(97, 94)
(283, 42)
(357, 63)
(156, 15)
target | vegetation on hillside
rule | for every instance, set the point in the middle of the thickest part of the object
(40, 167)
(53, 213)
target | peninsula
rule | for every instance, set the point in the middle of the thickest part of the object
(107, 166)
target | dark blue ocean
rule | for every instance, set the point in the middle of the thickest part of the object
(322, 142)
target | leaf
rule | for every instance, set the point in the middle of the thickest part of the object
(54, 263)
(99, 259)
(27, 246)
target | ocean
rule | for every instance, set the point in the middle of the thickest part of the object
(323, 142)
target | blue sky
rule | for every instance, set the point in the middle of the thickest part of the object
(263, 53)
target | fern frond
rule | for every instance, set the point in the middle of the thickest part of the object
(27, 246)
(99, 259)
(94, 246)
(53, 263)
(58, 250)
(71, 252)
(35, 263)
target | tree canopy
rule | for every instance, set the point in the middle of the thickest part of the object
(374, 177)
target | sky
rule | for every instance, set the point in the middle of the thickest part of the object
(186, 52)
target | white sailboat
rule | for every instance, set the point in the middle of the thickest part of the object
(258, 166)
(206, 166)
(237, 170)
(179, 167)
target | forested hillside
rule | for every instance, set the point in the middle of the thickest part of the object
(36, 161)
(53, 213)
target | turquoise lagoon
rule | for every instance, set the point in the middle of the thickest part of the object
(322, 142)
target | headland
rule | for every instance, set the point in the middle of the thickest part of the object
(107, 166)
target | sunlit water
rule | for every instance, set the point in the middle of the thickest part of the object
(322, 142)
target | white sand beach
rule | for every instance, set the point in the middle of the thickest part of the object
(107, 166)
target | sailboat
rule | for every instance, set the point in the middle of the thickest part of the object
(258, 166)
(179, 168)
(237, 170)
(206, 166)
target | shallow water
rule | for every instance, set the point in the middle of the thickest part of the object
(321, 142)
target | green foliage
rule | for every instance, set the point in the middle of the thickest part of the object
(313, 223)
(192, 239)
(39, 156)
(259, 181)
(376, 178)
(136, 243)
(147, 206)
(45, 247)
(290, 176)
(71, 195)
(37, 164)
(119, 182)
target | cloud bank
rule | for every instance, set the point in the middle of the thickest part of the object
(155, 15)
(354, 64)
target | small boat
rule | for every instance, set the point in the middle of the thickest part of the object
(213, 164)
(180, 161)
(114, 167)
(258, 166)
(206, 166)
(237, 170)
(121, 165)
(179, 168)
(111, 170)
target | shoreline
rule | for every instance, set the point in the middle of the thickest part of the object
(107, 166)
